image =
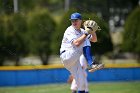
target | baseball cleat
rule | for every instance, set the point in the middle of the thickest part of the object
(95, 67)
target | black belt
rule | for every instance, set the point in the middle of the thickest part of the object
(62, 52)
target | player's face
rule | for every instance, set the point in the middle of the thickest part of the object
(76, 23)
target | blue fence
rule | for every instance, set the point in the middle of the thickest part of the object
(16, 77)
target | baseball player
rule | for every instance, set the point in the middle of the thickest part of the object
(72, 48)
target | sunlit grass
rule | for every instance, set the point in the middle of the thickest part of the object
(106, 87)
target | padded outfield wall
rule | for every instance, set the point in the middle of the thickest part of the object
(34, 75)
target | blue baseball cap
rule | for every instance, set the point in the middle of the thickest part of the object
(75, 16)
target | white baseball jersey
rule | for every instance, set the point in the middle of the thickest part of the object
(70, 35)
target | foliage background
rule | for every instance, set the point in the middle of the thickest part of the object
(37, 28)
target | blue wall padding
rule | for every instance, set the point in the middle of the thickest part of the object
(115, 74)
(60, 75)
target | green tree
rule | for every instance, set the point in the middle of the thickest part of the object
(41, 27)
(29, 5)
(131, 35)
(2, 41)
(13, 37)
(16, 46)
(19, 24)
(6, 6)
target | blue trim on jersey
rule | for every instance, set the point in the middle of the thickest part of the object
(89, 36)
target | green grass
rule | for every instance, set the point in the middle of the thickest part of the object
(106, 87)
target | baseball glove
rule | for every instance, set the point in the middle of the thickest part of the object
(91, 26)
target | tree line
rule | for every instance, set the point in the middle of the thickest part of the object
(37, 33)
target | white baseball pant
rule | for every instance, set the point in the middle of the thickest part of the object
(83, 63)
(70, 59)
